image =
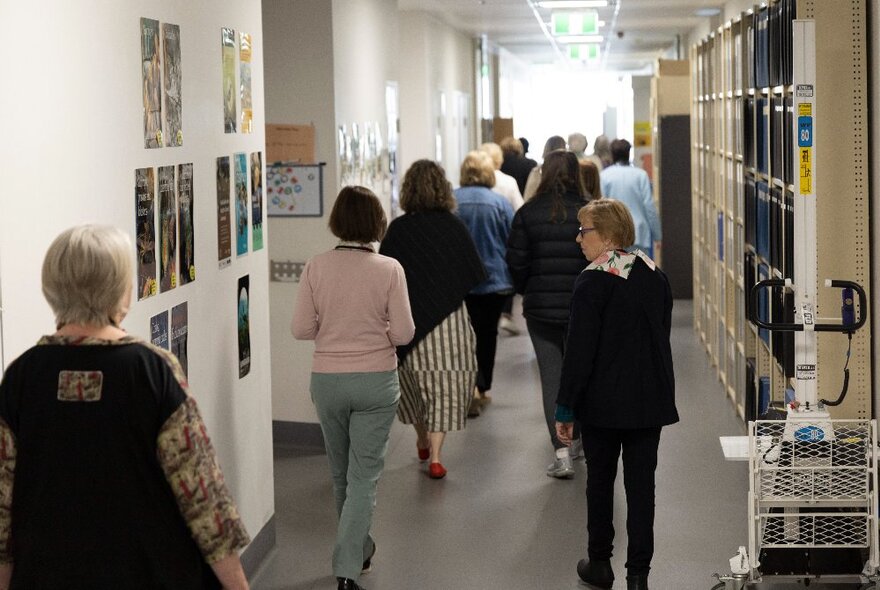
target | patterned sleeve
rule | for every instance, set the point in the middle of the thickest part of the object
(187, 457)
(7, 476)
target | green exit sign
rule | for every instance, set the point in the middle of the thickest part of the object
(575, 23)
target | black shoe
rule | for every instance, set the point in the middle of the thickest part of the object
(596, 573)
(637, 582)
(348, 584)
(368, 562)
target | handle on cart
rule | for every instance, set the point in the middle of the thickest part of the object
(752, 311)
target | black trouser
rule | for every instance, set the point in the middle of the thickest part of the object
(508, 305)
(485, 311)
(602, 448)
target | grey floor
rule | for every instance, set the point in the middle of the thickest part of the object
(497, 521)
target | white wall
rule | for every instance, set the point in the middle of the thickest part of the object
(299, 90)
(327, 63)
(73, 131)
(433, 57)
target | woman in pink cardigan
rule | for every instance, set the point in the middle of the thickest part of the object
(354, 304)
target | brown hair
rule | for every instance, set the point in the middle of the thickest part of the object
(559, 175)
(425, 188)
(477, 170)
(612, 221)
(591, 180)
(357, 216)
(512, 144)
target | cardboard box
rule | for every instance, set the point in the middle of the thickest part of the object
(290, 143)
(672, 67)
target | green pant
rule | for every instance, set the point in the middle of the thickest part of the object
(356, 411)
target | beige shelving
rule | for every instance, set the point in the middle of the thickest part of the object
(724, 169)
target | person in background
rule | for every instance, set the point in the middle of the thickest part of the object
(104, 449)
(618, 384)
(515, 163)
(504, 185)
(487, 216)
(631, 186)
(591, 179)
(553, 143)
(601, 155)
(354, 304)
(577, 143)
(545, 261)
(438, 368)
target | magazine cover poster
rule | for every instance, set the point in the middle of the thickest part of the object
(224, 235)
(167, 230)
(244, 327)
(230, 118)
(257, 198)
(247, 110)
(159, 330)
(179, 330)
(241, 205)
(185, 233)
(172, 84)
(151, 70)
(145, 224)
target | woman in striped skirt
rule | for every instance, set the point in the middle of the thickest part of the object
(438, 367)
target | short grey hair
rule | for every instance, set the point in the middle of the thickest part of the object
(87, 272)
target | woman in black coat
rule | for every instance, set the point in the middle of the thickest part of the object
(544, 261)
(618, 382)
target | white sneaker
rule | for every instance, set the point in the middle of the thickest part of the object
(508, 325)
(576, 450)
(562, 467)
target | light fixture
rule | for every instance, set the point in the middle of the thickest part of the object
(580, 39)
(573, 3)
(707, 12)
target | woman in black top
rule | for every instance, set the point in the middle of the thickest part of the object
(618, 382)
(438, 368)
(544, 261)
(116, 484)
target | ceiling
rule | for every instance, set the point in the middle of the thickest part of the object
(636, 32)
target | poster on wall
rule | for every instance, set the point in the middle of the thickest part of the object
(241, 205)
(224, 235)
(257, 198)
(294, 190)
(167, 230)
(247, 110)
(230, 118)
(244, 326)
(159, 330)
(172, 85)
(145, 224)
(151, 71)
(185, 232)
(179, 331)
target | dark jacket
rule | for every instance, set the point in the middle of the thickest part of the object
(617, 371)
(441, 264)
(518, 167)
(544, 258)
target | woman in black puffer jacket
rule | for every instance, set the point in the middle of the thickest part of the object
(544, 261)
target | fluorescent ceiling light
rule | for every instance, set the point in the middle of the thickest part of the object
(707, 12)
(580, 39)
(573, 3)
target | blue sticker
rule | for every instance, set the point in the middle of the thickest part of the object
(809, 434)
(805, 131)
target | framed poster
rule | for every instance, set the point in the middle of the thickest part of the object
(295, 190)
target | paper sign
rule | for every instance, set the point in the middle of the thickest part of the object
(290, 143)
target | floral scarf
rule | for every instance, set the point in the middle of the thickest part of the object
(620, 262)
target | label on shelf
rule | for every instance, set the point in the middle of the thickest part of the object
(805, 372)
(806, 163)
(805, 131)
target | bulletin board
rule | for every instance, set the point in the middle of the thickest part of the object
(295, 190)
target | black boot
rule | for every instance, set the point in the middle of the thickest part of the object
(596, 573)
(348, 584)
(637, 582)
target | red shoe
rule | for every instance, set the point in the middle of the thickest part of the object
(424, 454)
(436, 471)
